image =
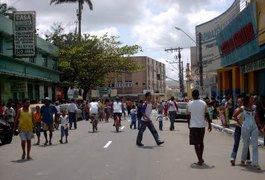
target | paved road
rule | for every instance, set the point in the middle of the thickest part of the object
(107, 155)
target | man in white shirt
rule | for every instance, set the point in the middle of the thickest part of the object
(94, 110)
(147, 122)
(197, 123)
(172, 110)
(117, 109)
(72, 108)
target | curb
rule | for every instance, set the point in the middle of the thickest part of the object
(230, 131)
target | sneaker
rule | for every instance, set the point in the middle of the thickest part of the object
(160, 142)
(139, 144)
(61, 141)
(232, 162)
(257, 167)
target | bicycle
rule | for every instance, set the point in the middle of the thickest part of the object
(117, 122)
(94, 122)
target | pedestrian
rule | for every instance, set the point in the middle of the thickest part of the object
(147, 122)
(94, 110)
(198, 114)
(160, 109)
(72, 109)
(172, 110)
(56, 119)
(133, 117)
(139, 113)
(64, 119)
(48, 111)
(25, 126)
(107, 109)
(249, 131)
(237, 133)
(37, 119)
(10, 114)
(117, 110)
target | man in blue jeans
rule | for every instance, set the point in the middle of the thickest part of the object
(147, 122)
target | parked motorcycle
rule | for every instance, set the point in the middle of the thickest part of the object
(6, 133)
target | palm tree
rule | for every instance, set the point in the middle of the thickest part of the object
(5, 10)
(80, 8)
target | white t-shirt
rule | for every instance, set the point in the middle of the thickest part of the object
(117, 107)
(64, 120)
(72, 108)
(197, 109)
(93, 107)
(171, 106)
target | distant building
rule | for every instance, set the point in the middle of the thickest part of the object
(151, 78)
(33, 77)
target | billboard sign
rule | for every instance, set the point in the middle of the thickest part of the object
(24, 33)
(210, 51)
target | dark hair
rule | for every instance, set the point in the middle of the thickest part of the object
(195, 94)
(24, 100)
(147, 94)
(172, 98)
(246, 100)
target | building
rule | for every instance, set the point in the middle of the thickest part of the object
(242, 47)
(211, 58)
(33, 77)
(150, 78)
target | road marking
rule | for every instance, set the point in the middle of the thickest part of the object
(107, 145)
(122, 127)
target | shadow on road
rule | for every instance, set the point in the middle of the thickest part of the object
(253, 170)
(21, 160)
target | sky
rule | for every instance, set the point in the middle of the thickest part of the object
(148, 23)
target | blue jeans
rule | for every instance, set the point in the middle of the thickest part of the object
(152, 129)
(139, 122)
(172, 115)
(72, 119)
(237, 135)
(250, 131)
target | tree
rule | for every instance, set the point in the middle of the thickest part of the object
(90, 62)
(5, 9)
(80, 8)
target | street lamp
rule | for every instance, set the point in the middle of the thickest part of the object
(198, 45)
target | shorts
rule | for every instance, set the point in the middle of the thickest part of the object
(196, 136)
(48, 126)
(37, 128)
(26, 135)
(64, 131)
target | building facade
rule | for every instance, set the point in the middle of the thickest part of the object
(242, 47)
(150, 78)
(33, 77)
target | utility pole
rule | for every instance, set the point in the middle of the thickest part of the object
(200, 61)
(181, 76)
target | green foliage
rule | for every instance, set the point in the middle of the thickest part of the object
(88, 63)
(5, 9)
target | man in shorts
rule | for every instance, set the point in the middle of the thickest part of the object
(47, 111)
(25, 126)
(197, 123)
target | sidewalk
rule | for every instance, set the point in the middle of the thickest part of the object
(216, 123)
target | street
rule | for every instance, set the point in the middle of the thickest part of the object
(107, 155)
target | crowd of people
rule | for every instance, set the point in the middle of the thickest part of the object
(249, 115)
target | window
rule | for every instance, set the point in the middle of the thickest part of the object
(32, 59)
(158, 76)
(54, 65)
(119, 84)
(128, 83)
(45, 61)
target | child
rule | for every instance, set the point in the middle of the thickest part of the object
(37, 123)
(221, 115)
(160, 109)
(64, 126)
(133, 117)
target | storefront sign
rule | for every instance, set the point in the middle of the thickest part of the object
(254, 66)
(241, 37)
(24, 33)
